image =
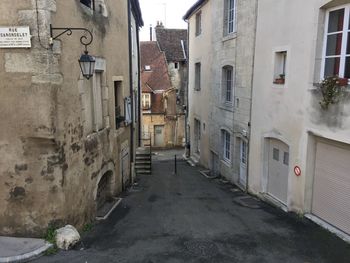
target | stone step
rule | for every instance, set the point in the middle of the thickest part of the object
(143, 167)
(143, 162)
(143, 171)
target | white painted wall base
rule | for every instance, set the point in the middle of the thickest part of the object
(329, 227)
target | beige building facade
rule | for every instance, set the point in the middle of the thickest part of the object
(300, 152)
(199, 19)
(67, 142)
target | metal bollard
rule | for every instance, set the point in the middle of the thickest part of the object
(175, 165)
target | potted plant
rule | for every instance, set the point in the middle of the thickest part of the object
(280, 80)
(331, 89)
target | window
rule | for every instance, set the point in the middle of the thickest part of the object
(176, 65)
(92, 103)
(118, 104)
(132, 41)
(97, 95)
(227, 84)
(280, 67)
(197, 84)
(230, 17)
(197, 136)
(286, 158)
(226, 137)
(127, 110)
(198, 23)
(337, 49)
(244, 152)
(276, 154)
(146, 101)
(88, 3)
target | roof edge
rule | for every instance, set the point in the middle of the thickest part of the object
(138, 13)
(193, 9)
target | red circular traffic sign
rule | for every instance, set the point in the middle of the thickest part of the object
(297, 170)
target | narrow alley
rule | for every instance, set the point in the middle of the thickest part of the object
(190, 218)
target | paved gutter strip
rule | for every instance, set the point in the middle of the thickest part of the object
(27, 256)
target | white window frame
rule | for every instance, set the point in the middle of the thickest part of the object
(197, 76)
(345, 32)
(226, 139)
(146, 97)
(231, 16)
(198, 23)
(227, 85)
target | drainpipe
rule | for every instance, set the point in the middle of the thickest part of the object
(251, 94)
(131, 87)
(187, 134)
(139, 85)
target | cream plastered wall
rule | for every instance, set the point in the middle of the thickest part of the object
(290, 112)
(199, 101)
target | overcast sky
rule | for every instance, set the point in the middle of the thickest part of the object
(170, 12)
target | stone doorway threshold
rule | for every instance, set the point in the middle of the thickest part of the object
(208, 174)
(104, 212)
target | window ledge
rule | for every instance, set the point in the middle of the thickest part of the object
(226, 107)
(87, 10)
(279, 86)
(229, 36)
(228, 163)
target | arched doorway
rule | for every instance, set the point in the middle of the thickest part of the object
(104, 191)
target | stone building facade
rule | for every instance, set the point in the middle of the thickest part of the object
(221, 56)
(161, 121)
(67, 143)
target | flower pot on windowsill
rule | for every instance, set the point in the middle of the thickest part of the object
(343, 82)
(279, 81)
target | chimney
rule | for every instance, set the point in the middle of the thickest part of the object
(151, 32)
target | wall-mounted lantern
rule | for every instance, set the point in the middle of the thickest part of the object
(87, 65)
(86, 62)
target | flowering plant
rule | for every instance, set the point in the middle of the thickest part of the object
(331, 89)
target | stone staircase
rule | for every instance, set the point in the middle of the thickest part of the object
(143, 162)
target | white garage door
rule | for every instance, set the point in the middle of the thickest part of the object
(331, 192)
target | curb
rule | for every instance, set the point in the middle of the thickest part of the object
(27, 256)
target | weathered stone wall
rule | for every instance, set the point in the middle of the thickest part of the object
(50, 164)
(173, 128)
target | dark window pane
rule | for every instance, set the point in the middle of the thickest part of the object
(348, 45)
(336, 19)
(332, 67)
(276, 154)
(286, 158)
(347, 68)
(334, 44)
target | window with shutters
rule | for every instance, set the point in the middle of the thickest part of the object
(336, 59)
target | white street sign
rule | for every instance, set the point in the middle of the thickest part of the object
(15, 37)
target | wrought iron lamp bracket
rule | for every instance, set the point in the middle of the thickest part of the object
(85, 40)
